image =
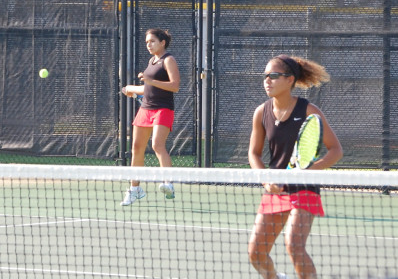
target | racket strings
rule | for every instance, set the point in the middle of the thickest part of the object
(307, 149)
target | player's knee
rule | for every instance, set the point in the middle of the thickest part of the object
(158, 148)
(138, 147)
(295, 250)
(255, 255)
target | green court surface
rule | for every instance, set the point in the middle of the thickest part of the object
(61, 229)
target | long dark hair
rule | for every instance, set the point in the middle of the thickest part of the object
(162, 35)
(307, 73)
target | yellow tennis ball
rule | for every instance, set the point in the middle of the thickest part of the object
(43, 73)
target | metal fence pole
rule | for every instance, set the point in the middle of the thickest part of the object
(386, 85)
(209, 87)
(130, 78)
(199, 89)
(123, 80)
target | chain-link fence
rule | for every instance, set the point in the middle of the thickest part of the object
(356, 41)
(70, 116)
(73, 116)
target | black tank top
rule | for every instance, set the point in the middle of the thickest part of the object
(281, 139)
(154, 97)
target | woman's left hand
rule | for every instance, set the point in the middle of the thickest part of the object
(125, 91)
(273, 188)
(143, 78)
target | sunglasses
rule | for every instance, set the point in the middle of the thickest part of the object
(276, 75)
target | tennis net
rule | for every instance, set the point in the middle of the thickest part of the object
(66, 222)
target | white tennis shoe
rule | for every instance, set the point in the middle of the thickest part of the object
(167, 189)
(282, 276)
(132, 195)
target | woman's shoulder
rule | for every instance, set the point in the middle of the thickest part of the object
(303, 100)
(168, 56)
(258, 113)
(259, 109)
(268, 104)
(262, 108)
(312, 108)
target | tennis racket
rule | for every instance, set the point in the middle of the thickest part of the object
(308, 143)
(139, 99)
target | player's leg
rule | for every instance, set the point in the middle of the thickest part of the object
(297, 230)
(159, 137)
(162, 126)
(266, 229)
(141, 137)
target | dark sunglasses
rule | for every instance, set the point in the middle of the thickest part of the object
(276, 75)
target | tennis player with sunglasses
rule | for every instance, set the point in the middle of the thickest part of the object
(279, 120)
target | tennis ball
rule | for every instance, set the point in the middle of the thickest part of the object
(43, 73)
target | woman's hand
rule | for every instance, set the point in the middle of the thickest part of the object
(273, 188)
(127, 91)
(144, 79)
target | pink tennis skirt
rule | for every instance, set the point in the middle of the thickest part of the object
(307, 200)
(150, 118)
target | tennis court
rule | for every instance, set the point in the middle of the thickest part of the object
(53, 227)
(76, 229)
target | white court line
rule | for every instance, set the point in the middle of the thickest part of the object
(77, 272)
(182, 226)
(112, 221)
(43, 223)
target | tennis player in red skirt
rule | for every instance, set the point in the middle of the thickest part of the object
(156, 114)
(294, 206)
